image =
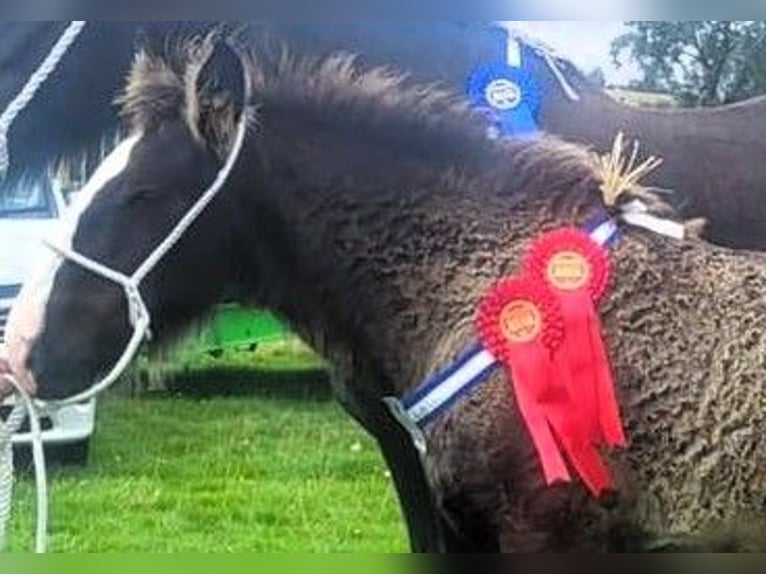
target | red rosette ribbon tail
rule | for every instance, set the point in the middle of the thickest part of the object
(531, 374)
(577, 270)
(520, 324)
(574, 433)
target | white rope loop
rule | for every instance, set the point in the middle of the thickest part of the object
(35, 81)
(7, 428)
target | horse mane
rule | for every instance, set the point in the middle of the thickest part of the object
(155, 91)
(157, 85)
(338, 81)
(334, 89)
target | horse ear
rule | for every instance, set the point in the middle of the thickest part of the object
(217, 94)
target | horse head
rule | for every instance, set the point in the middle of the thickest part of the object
(181, 117)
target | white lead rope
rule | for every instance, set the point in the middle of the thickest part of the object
(140, 321)
(567, 87)
(37, 79)
(24, 408)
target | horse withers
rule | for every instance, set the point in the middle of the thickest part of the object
(373, 215)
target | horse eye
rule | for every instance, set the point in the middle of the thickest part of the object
(140, 194)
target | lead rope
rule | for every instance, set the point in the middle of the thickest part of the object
(567, 88)
(140, 321)
(37, 79)
(25, 407)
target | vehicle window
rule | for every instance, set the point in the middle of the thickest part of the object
(27, 198)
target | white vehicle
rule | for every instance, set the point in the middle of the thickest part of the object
(30, 210)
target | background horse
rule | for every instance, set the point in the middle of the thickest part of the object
(713, 156)
(373, 216)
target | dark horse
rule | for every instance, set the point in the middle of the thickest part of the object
(373, 216)
(713, 156)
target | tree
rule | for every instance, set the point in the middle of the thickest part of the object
(700, 62)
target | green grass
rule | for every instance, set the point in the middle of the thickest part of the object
(281, 470)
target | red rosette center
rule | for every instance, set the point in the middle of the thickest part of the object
(519, 311)
(569, 260)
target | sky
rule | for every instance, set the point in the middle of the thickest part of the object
(586, 43)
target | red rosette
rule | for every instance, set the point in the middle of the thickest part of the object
(550, 328)
(577, 270)
(564, 243)
(519, 322)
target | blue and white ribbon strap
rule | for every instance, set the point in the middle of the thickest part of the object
(443, 389)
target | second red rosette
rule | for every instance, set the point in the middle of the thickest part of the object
(577, 270)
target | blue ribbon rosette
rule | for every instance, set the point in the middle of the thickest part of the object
(508, 96)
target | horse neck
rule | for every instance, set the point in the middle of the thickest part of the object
(371, 254)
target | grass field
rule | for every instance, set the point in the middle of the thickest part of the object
(282, 469)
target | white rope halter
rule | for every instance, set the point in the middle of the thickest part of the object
(138, 313)
(37, 79)
(140, 321)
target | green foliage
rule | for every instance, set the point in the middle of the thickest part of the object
(700, 62)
